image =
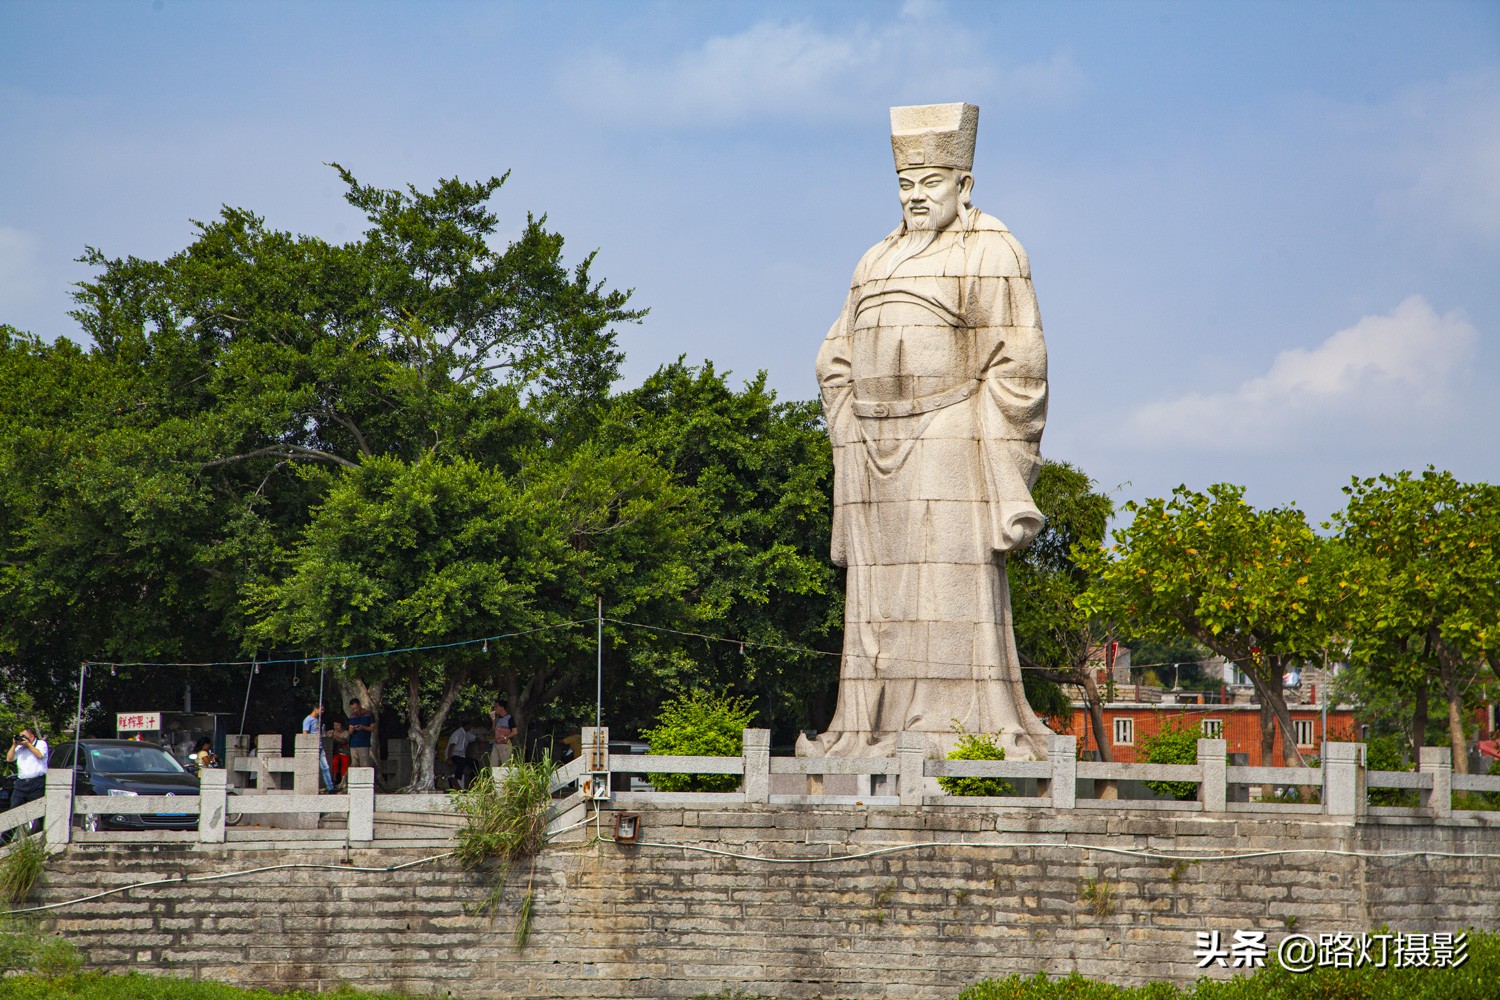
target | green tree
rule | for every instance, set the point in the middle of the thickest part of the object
(1055, 637)
(762, 472)
(435, 552)
(147, 479)
(1256, 587)
(1426, 581)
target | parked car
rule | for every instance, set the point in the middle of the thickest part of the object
(126, 768)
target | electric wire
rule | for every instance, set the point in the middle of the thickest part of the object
(1010, 845)
(220, 876)
(338, 656)
(599, 835)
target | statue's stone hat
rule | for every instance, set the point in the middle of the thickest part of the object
(934, 135)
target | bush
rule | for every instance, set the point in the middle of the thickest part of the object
(1174, 744)
(700, 725)
(975, 746)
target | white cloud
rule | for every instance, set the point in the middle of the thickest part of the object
(1440, 142)
(793, 70)
(20, 276)
(1393, 376)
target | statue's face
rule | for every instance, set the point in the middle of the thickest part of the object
(932, 196)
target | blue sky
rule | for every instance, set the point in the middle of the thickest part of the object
(1265, 237)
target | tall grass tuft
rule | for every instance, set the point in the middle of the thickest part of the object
(21, 867)
(506, 813)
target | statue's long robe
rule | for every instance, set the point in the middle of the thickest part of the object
(934, 382)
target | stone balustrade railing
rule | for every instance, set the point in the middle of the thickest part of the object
(1339, 784)
(267, 795)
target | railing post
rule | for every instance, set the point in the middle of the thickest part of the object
(361, 785)
(1344, 780)
(596, 756)
(305, 749)
(57, 822)
(1213, 769)
(213, 801)
(1062, 751)
(236, 745)
(911, 754)
(267, 745)
(1438, 762)
(757, 765)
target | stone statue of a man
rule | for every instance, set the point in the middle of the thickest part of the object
(934, 382)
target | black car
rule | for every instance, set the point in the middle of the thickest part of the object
(126, 768)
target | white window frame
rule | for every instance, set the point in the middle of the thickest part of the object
(1124, 731)
(1213, 729)
(1301, 726)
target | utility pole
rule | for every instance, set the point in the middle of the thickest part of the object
(599, 665)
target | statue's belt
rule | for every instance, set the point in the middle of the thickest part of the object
(909, 407)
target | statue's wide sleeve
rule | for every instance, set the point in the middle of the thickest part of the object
(836, 383)
(1013, 390)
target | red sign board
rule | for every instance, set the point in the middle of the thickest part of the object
(138, 722)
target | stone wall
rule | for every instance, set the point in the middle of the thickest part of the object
(942, 896)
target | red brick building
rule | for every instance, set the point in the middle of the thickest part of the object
(1126, 724)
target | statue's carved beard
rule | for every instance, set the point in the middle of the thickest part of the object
(918, 237)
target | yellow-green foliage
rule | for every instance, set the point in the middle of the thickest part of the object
(700, 725)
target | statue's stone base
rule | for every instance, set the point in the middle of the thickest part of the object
(1017, 746)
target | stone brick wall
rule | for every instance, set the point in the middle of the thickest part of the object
(942, 896)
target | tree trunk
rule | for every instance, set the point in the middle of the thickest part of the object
(1096, 714)
(368, 692)
(424, 738)
(1419, 721)
(1291, 756)
(1448, 672)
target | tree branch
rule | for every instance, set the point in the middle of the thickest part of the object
(290, 451)
(351, 427)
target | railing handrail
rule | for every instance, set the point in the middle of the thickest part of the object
(906, 779)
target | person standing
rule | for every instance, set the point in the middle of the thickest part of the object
(313, 724)
(29, 752)
(505, 731)
(338, 756)
(361, 738)
(459, 760)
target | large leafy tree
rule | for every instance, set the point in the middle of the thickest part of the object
(1426, 585)
(1055, 637)
(438, 552)
(761, 470)
(1258, 587)
(230, 384)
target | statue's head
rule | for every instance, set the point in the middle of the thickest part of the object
(931, 197)
(934, 149)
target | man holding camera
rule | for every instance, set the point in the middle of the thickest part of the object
(30, 756)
